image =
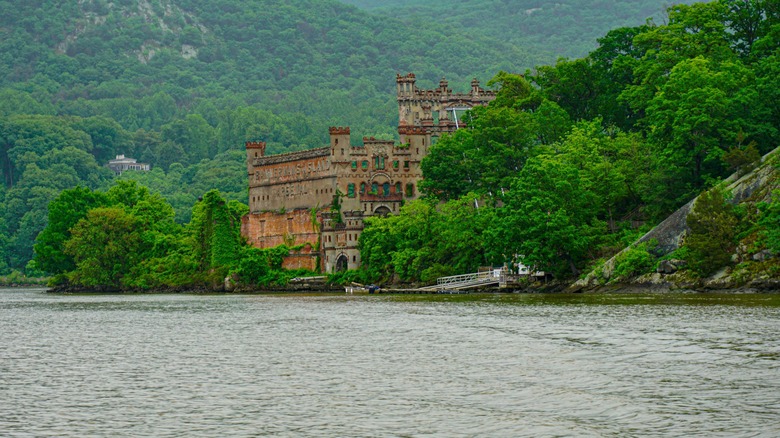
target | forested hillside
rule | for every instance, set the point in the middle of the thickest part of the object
(545, 30)
(181, 84)
(574, 161)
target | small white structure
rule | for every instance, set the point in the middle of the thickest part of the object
(522, 270)
(122, 163)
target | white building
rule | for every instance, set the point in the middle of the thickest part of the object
(122, 163)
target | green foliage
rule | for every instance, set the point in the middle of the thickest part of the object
(742, 159)
(636, 260)
(215, 233)
(126, 238)
(335, 207)
(713, 223)
(415, 244)
(64, 212)
(16, 278)
(525, 23)
(502, 136)
(549, 216)
(105, 245)
(254, 265)
(770, 221)
(651, 117)
(359, 276)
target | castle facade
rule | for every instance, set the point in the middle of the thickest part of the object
(317, 199)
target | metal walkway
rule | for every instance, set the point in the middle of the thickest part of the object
(468, 281)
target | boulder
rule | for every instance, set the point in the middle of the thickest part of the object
(762, 255)
(666, 267)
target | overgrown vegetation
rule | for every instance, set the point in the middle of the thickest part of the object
(714, 224)
(555, 173)
(126, 239)
(570, 155)
(636, 260)
(182, 84)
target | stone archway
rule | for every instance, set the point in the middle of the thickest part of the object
(342, 263)
(382, 211)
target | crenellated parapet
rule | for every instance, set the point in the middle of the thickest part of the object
(258, 145)
(370, 141)
(412, 130)
(339, 130)
(435, 109)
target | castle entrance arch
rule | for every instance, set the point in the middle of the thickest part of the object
(342, 263)
(382, 211)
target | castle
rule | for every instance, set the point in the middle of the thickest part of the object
(291, 196)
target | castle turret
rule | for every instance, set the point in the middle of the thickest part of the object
(339, 142)
(475, 87)
(254, 150)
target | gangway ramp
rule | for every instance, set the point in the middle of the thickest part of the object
(468, 281)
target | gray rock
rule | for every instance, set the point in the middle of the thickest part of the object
(762, 255)
(666, 267)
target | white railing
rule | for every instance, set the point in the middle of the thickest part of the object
(470, 280)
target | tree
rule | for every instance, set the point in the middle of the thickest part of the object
(749, 21)
(214, 233)
(700, 112)
(105, 247)
(770, 221)
(693, 31)
(195, 136)
(64, 212)
(548, 217)
(713, 222)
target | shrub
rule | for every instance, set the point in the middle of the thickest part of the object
(634, 261)
(713, 223)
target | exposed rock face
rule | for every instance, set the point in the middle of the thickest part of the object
(762, 255)
(755, 186)
(667, 267)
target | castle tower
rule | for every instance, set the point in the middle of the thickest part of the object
(254, 150)
(339, 142)
(406, 90)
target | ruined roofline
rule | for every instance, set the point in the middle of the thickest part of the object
(293, 156)
(449, 96)
(407, 90)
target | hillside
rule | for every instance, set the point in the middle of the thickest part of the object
(145, 63)
(745, 259)
(546, 30)
(181, 84)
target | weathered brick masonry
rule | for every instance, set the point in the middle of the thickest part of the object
(290, 195)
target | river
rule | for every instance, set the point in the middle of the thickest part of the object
(374, 366)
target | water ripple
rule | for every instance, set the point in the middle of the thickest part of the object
(202, 366)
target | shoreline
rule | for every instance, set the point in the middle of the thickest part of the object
(763, 287)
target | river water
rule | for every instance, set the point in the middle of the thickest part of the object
(365, 366)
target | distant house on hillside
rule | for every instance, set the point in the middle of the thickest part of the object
(122, 163)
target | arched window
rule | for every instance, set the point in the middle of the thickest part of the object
(362, 188)
(386, 189)
(374, 188)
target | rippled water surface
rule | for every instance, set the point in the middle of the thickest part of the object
(519, 365)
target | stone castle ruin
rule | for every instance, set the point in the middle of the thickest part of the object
(317, 199)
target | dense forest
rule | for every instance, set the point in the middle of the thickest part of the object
(545, 30)
(563, 166)
(558, 170)
(182, 84)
